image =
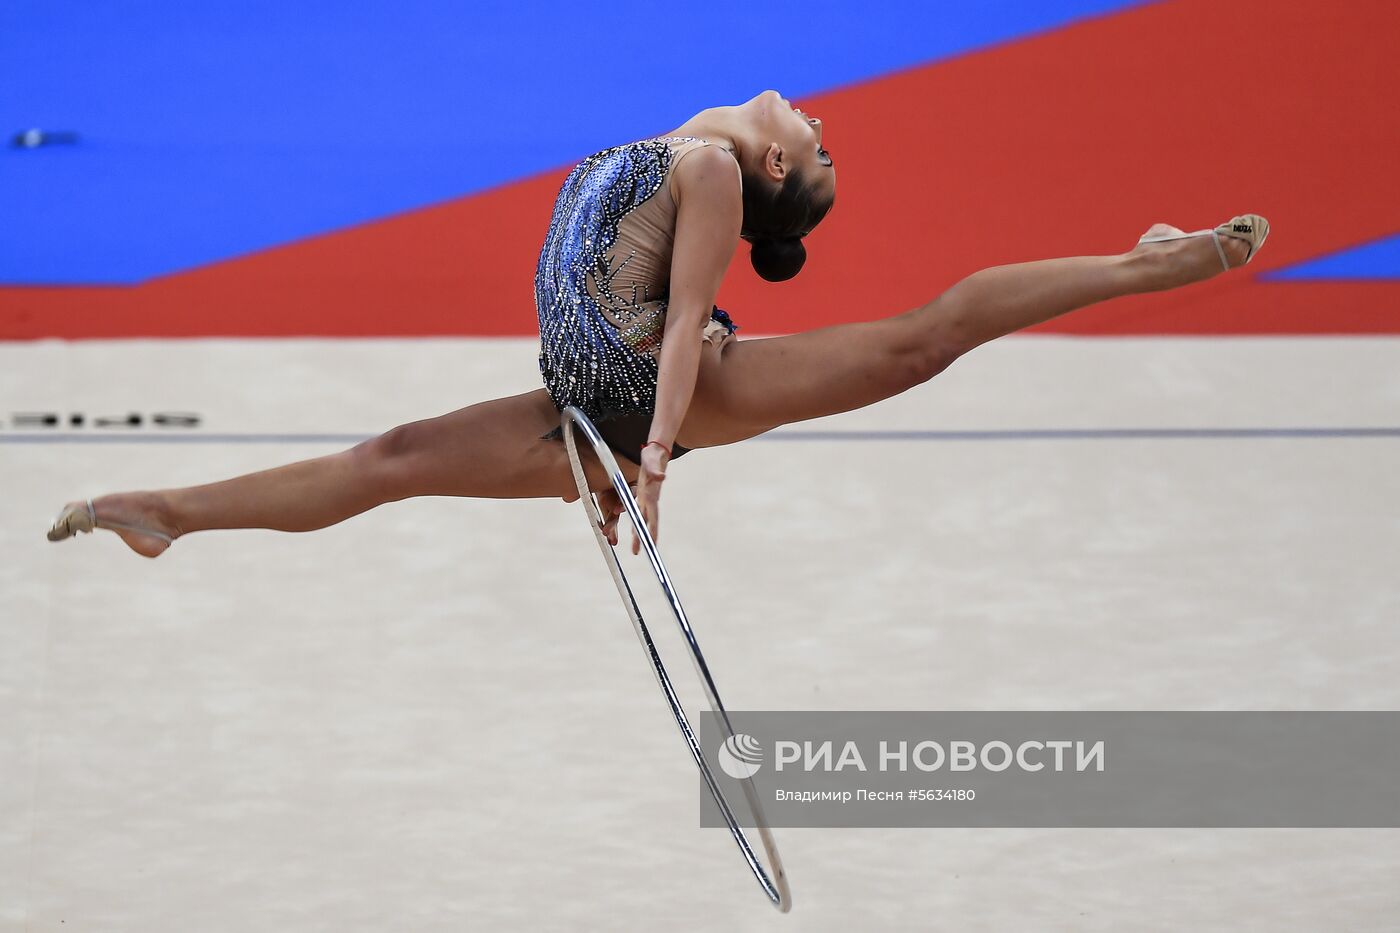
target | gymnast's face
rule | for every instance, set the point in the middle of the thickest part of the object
(794, 142)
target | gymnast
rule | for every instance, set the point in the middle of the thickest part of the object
(636, 249)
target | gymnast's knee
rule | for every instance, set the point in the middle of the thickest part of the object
(948, 328)
(386, 461)
(930, 350)
(393, 444)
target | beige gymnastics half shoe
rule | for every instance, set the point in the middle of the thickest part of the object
(80, 516)
(1251, 228)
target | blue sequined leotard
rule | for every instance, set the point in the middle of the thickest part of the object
(601, 283)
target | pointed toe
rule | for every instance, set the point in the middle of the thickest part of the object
(75, 517)
(1251, 228)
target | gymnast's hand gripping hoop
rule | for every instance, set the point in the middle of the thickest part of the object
(775, 886)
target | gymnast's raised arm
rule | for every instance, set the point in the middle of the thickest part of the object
(709, 215)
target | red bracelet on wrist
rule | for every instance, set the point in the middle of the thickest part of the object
(658, 444)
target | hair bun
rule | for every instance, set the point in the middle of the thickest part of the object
(778, 260)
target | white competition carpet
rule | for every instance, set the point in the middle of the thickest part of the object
(435, 716)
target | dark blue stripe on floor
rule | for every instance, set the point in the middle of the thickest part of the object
(1078, 434)
(1033, 434)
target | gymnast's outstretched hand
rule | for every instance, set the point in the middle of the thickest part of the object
(649, 477)
(610, 507)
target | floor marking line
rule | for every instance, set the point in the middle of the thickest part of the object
(1017, 434)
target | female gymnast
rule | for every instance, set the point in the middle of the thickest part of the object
(639, 240)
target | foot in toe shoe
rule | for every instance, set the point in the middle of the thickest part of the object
(1246, 232)
(138, 527)
(75, 517)
(1182, 258)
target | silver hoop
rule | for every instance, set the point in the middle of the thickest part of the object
(775, 886)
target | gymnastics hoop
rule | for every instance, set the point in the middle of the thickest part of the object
(775, 886)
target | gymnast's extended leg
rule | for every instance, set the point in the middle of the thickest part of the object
(751, 386)
(493, 449)
(489, 450)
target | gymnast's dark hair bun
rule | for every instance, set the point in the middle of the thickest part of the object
(778, 260)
